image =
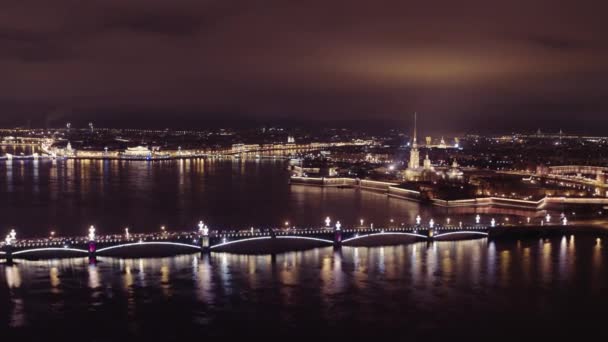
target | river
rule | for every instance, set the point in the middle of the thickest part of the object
(441, 290)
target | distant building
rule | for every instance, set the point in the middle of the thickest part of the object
(442, 143)
(414, 162)
(426, 164)
(138, 152)
(454, 171)
(414, 172)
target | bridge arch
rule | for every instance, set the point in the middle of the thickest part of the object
(383, 234)
(49, 249)
(228, 243)
(305, 238)
(269, 244)
(147, 243)
(460, 232)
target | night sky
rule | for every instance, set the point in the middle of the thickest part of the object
(464, 65)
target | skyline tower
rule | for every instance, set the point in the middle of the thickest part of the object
(414, 162)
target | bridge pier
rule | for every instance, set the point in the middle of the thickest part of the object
(204, 238)
(491, 233)
(92, 251)
(338, 236)
(9, 255)
(205, 246)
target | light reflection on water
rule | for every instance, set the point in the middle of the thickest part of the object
(360, 286)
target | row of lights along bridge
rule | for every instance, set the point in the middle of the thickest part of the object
(203, 229)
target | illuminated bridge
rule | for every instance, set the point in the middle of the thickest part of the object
(207, 241)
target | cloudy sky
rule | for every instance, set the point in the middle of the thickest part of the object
(461, 64)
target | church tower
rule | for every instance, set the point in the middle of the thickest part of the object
(414, 153)
(427, 163)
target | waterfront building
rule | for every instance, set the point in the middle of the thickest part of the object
(454, 171)
(138, 152)
(426, 164)
(69, 151)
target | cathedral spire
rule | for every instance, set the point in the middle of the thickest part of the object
(415, 140)
(414, 153)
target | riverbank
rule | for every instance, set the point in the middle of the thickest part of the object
(393, 190)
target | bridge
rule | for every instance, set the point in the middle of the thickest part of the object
(207, 241)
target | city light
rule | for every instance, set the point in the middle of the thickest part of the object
(264, 116)
(92, 233)
(204, 230)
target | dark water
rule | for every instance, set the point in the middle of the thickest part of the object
(445, 290)
(68, 196)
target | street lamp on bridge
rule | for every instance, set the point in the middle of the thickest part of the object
(418, 220)
(10, 237)
(204, 230)
(327, 222)
(92, 233)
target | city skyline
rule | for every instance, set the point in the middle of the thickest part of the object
(173, 170)
(470, 66)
